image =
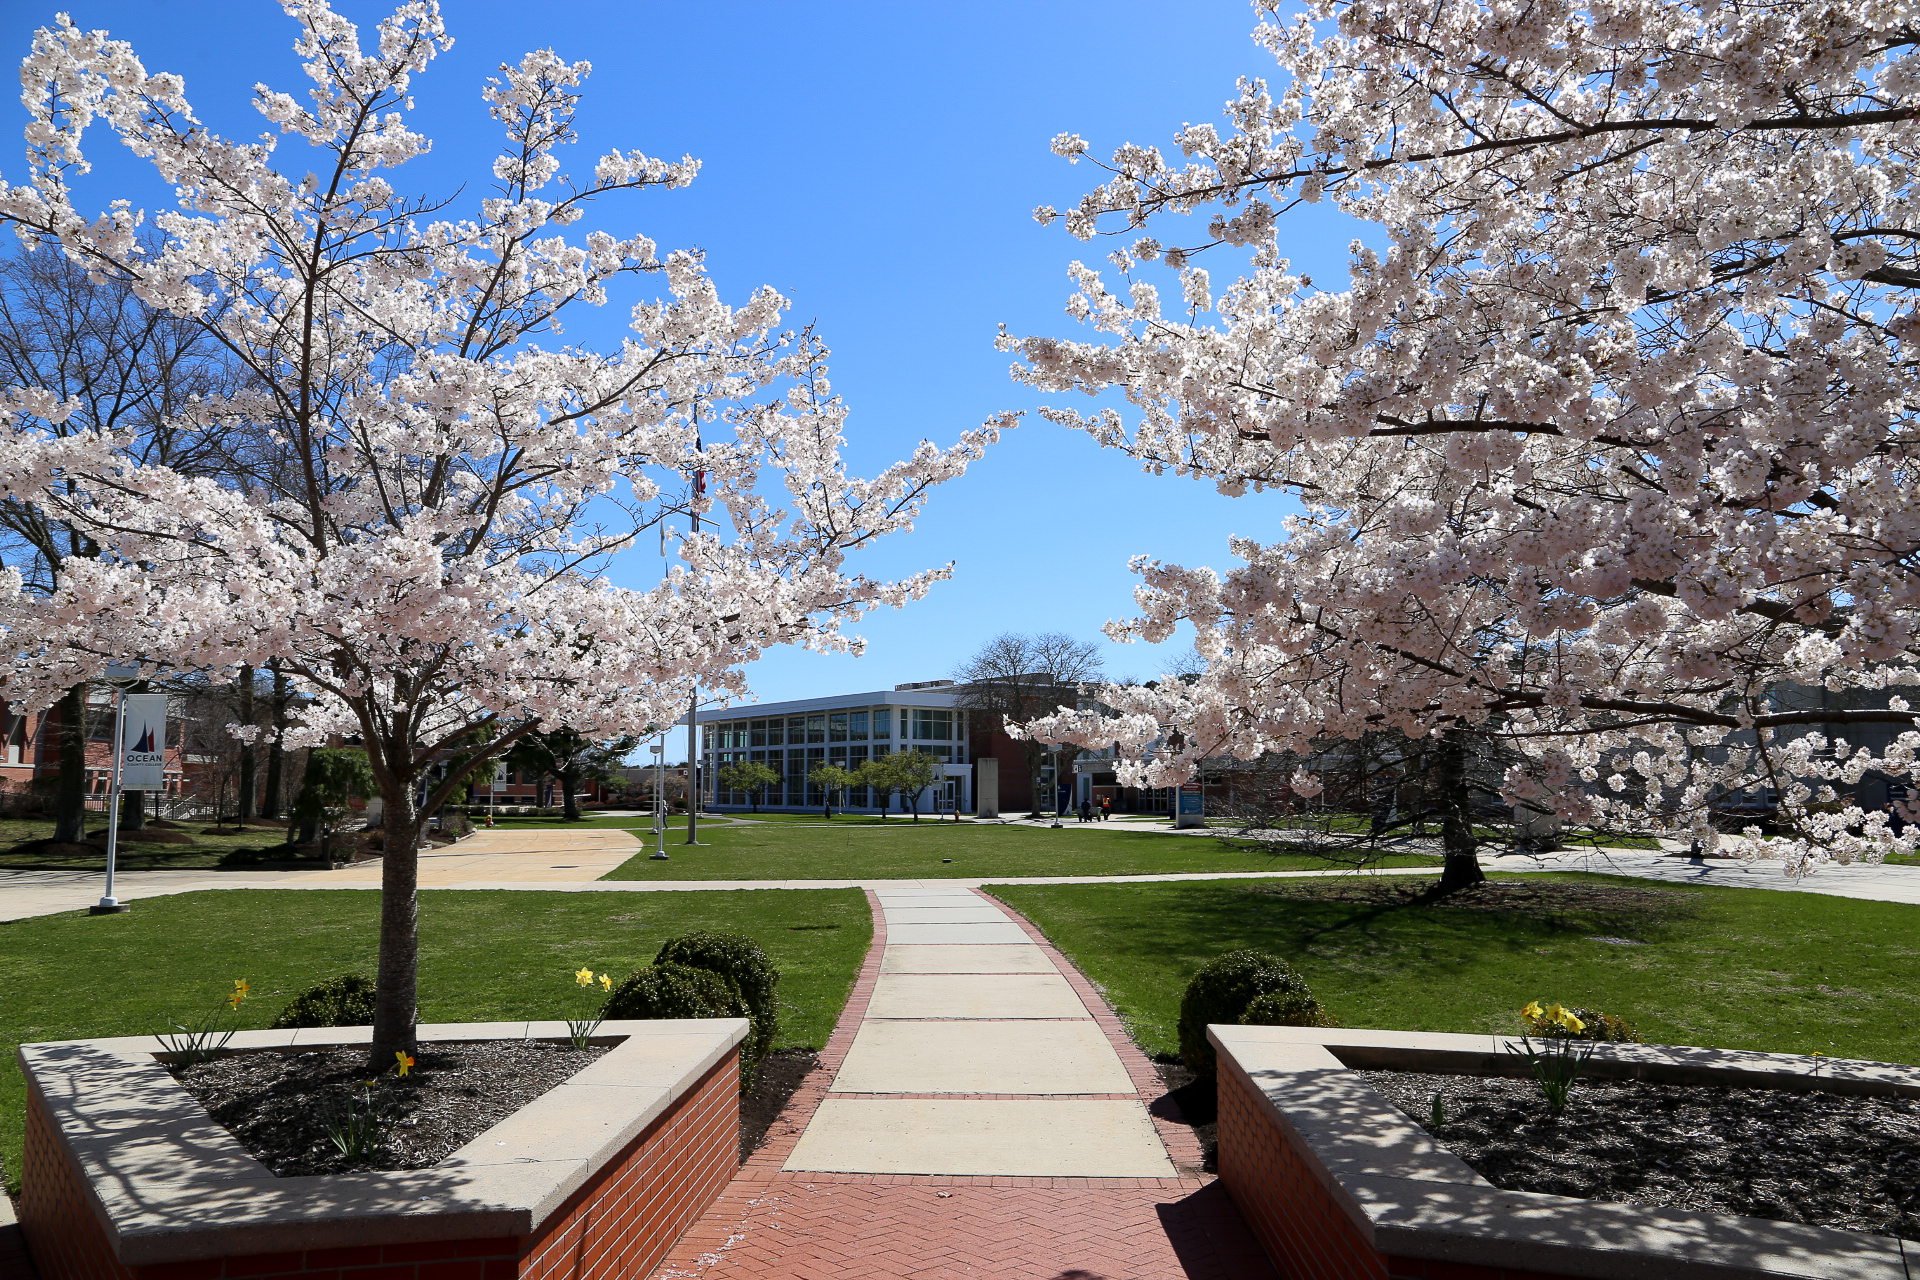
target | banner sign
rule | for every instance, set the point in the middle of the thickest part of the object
(143, 742)
(1192, 800)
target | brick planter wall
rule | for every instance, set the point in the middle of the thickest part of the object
(1339, 1184)
(1304, 1229)
(617, 1224)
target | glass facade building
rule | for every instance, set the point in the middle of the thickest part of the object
(795, 738)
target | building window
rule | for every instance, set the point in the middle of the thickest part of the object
(930, 725)
(856, 726)
(837, 727)
(857, 797)
(759, 731)
(816, 729)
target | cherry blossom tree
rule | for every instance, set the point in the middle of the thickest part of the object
(1608, 444)
(431, 481)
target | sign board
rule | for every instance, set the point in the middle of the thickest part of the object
(1190, 807)
(143, 742)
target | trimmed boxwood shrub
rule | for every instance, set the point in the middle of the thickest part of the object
(1221, 992)
(739, 959)
(1287, 1009)
(345, 1001)
(684, 991)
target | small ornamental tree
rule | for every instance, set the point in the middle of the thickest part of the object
(753, 777)
(408, 539)
(1606, 448)
(832, 779)
(904, 773)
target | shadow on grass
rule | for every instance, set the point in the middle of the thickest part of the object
(1387, 923)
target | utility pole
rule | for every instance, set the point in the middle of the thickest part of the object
(693, 704)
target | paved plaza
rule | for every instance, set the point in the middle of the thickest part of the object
(979, 1111)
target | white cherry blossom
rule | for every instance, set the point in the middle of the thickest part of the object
(1607, 448)
(427, 484)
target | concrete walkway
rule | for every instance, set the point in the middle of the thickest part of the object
(572, 861)
(979, 1112)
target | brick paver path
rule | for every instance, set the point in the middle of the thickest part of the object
(776, 1223)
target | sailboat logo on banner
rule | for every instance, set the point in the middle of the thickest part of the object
(143, 762)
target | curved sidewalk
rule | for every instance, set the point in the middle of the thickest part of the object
(979, 1112)
(573, 861)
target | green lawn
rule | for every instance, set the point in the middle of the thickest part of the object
(132, 855)
(485, 955)
(1730, 968)
(860, 849)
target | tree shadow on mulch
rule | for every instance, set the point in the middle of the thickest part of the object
(781, 1073)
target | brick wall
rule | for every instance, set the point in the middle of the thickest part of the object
(615, 1227)
(627, 1217)
(1302, 1227)
(56, 1211)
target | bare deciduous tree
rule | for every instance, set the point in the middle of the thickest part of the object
(130, 368)
(1017, 677)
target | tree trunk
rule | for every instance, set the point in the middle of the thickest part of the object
(248, 783)
(276, 750)
(133, 811)
(70, 801)
(1458, 844)
(396, 1003)
(569, 803)
(276, 766)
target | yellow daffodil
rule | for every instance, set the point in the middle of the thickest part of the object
(402, 1063)
(584, 977)
(240, 989)
(606, 982)
(1532, 1012)
(1564, 1016)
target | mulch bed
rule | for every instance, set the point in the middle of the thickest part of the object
(781, 1073)
(1827, 1159)
(274, 1103)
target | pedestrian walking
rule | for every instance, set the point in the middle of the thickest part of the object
(1106, 807)
(1086, 811)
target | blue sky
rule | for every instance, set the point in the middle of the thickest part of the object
(878, 164)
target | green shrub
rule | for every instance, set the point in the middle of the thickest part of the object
(684, 991)
(740, 960)
(1221, 992)
(345, 1001)
(1287, 1009)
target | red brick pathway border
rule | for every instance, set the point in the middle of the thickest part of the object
(772, 1224)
